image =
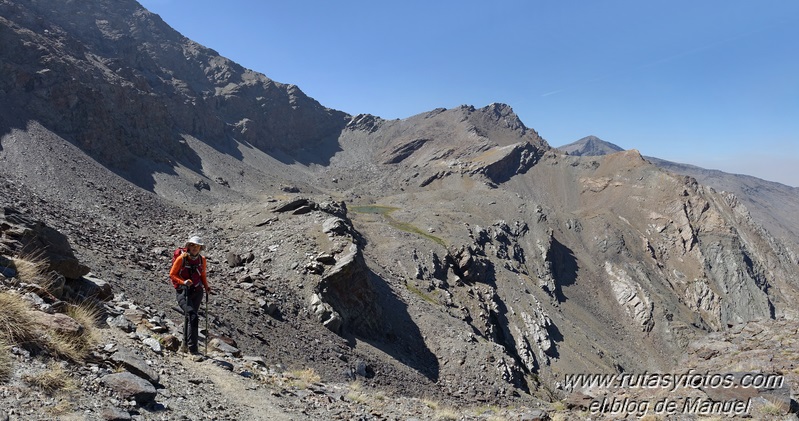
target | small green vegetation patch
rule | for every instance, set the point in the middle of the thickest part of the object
(412, 288)
(382, 210)
(402, 226)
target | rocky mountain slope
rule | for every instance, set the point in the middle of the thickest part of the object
(452, 256)
(774, 205)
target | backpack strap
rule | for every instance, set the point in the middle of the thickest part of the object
(196, 266)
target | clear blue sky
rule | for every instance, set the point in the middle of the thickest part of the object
(713, 83)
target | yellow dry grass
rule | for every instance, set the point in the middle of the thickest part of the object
(33, 269)
(75, 347)
(5, 361)
(50, 380)
(17, 327)
(446, 414)
(15, 319)
(301, 379)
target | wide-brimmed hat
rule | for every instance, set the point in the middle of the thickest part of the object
(195, 239)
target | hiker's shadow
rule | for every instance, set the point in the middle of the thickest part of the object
(400, 337)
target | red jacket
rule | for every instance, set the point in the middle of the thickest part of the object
(193, 269)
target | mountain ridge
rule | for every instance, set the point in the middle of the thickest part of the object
(115, 52)
(772, 202)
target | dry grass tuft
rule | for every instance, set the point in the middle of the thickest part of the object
(62, 408)
(356, 393)
(373, 399)
(441, 413)
(55, 378)
(15, 320)
(63, 346)
(6, 362)
(301, 379)
(76, 347)
(87, 315)
(446, 414)
(493, 413)
(430, 404)
(33, 269)
(18, 327)
(769, 409)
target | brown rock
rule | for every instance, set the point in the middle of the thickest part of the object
(58, 322)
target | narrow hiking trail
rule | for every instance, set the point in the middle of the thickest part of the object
(248, 400)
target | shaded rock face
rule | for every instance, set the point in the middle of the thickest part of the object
(121, 84)
(515, 159)
(347, 287)
(344, 297)
(22, 235)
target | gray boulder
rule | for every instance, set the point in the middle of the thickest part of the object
(135, 365)
(129, 386)
(90, 286)
(24, 235)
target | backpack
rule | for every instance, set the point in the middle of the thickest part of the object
(178, 251)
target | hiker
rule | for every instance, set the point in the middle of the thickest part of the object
(188, 278)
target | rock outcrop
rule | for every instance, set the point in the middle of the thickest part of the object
(631, 297)
(344, 297)
(22, 235)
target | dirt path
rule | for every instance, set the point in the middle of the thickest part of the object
(251, 400)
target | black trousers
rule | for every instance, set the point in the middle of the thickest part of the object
(190, 300)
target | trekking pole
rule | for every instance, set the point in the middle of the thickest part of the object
(207, 333)
(186, 319)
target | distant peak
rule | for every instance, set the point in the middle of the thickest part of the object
(590, 146)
